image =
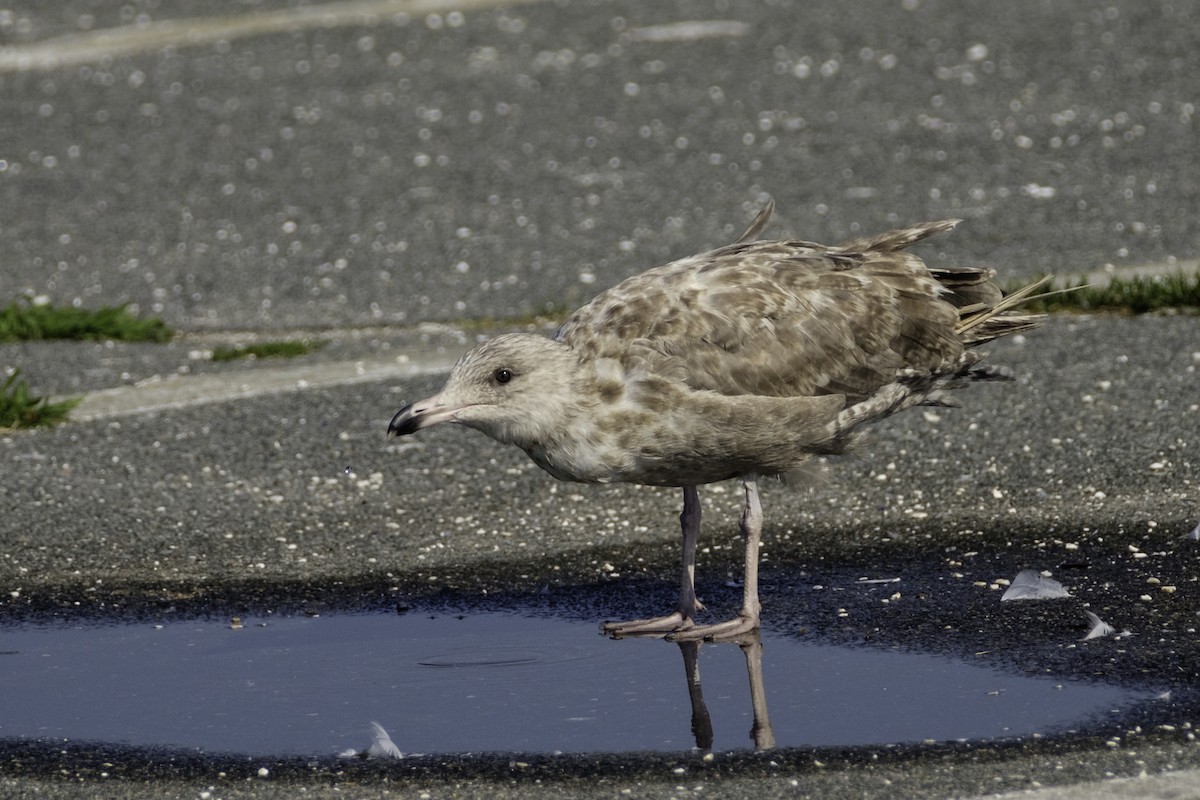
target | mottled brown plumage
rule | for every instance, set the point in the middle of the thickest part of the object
(743, 361)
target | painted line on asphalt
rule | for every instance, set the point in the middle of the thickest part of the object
(74, 49)
(179, 391)
(692, 30)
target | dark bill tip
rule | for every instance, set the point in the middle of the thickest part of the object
(405, 422)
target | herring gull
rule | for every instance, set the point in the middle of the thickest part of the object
(741, 362)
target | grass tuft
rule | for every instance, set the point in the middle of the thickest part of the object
(552, 314)
(267, 350)
(1136, 295)
(26, 321)
(21, 409)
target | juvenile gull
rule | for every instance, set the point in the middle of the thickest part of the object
(742, 362)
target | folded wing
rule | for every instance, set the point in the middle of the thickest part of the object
(787, 318)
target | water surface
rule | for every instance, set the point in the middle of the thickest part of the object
(500, 682)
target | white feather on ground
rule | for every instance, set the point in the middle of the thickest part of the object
(1033, 585)
(382, 746)
(1098, 627)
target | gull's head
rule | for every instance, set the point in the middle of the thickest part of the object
(510, 388)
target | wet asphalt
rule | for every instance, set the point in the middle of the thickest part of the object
(395, 187)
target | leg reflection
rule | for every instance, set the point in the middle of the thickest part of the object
(761, 732)
(702, 727)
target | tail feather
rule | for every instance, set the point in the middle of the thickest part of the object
(968, 288)
(979, 325)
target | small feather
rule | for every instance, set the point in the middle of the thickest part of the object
(1032, 585)
(1098, 627)
(383, 746)
(760, 222)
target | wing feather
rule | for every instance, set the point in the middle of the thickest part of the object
(784, 318)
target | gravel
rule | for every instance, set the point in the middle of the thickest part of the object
(357, 183)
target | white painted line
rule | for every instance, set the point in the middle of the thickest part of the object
(84, 48)
(690, 31)
(186, 391)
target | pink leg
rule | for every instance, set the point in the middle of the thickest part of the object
(747, 619)
(682, 618)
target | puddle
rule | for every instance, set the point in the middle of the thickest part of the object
(500, 682)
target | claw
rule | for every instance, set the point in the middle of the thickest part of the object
(675, 622)
(741, 625)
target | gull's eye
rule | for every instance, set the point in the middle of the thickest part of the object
(502, 375)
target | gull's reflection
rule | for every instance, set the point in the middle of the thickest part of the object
(761, 732)
(702, 728)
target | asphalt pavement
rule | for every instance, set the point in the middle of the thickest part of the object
(400, 180)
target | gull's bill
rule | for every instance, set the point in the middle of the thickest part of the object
(1032, 585)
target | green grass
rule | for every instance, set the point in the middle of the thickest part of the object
(1136, 295)
(26, 321)
(267, 350)
(553, 314)
(21, 409)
